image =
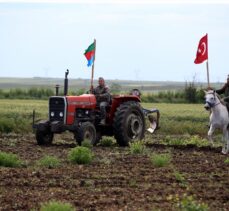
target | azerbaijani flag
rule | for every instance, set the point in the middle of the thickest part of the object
(90, 54)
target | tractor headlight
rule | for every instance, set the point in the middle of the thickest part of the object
(52, 114)
(61, 114)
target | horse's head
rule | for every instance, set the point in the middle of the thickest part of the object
(211, 99)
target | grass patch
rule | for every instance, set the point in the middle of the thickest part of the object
(198, 141)
(107, 141)
(56, 206)
(180, 178)
(49, 162)
(137, 147)
(9, 160)
(80, 155)
(173, 141)
(226, 161)
(187, 203)
(192, 140)
(160, 160)
(86, 143)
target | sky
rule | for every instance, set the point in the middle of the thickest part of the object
(151, 40)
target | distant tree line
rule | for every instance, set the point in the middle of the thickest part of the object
(183, 96)
(190, 94)
(34, 93)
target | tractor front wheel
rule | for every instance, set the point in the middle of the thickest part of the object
(129, 123)
(86, 131)
(44, 137)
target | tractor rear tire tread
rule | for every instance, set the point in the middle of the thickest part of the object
(119, 125)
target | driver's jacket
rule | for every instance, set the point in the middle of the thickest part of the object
(102, 94)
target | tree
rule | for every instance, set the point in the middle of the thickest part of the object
(191, 91)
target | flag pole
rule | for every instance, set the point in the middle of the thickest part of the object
(92, 69)
(208, 74)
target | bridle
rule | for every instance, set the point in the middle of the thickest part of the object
(211, 105)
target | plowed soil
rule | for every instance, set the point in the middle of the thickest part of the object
(116, 179)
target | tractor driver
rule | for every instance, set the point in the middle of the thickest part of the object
(102, 94)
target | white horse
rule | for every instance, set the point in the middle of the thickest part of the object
(218, 118)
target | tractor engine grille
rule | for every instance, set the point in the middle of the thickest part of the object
(57, 109)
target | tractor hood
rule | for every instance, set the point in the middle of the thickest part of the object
(87, 101)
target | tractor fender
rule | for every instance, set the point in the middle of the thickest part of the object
(117, 100)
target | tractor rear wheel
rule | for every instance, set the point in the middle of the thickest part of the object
(86, 131)
(129, 123)
(44, 137)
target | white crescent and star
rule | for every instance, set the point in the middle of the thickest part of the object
(202, 50)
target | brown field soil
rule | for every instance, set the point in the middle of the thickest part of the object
(116, 179)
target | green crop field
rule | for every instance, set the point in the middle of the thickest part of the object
(16, 116)
(181, 118)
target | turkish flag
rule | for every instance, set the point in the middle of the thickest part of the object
(202, 51)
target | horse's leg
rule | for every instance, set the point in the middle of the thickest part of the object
(225, 148)
(210, 133)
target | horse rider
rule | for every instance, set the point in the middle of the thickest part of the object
(102, 94)
(225, 90)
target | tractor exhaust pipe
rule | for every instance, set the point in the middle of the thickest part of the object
(57, 89)
(66, 83)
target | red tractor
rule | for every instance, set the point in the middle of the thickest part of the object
(80, 115)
